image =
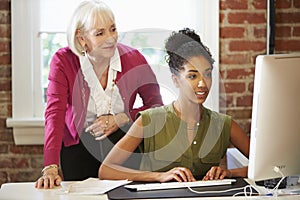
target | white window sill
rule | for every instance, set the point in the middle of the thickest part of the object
(27, 131)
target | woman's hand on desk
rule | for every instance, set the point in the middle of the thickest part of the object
(49, 179)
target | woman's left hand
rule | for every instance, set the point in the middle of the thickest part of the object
(217, 172)
(105, 125)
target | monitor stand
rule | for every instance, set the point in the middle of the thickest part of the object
(271, 183)
(287, 182)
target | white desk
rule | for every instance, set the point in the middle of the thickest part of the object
(26, 191)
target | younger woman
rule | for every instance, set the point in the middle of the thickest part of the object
(183, 141)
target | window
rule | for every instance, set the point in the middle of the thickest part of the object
(38, 30)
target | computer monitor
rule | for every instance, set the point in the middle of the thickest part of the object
(275, 127)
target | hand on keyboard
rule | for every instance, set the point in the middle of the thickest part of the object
(217, 172)
(175, 185)
(176, 174)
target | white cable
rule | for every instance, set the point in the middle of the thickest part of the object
(275, 189)
(219, 191)
(276, 169)
(228, 190)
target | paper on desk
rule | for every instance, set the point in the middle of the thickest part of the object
(94, 186)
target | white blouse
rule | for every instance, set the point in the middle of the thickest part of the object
(108, 101)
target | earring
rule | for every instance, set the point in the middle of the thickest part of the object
(84, 51)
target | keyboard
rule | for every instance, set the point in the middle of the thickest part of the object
(176, 185)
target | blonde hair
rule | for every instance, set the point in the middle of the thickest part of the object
(84, 18)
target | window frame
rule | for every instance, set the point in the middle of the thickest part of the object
(27, 118)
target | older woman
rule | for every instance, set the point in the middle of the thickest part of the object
(93, 84)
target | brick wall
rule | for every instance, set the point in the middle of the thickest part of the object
(242, 38)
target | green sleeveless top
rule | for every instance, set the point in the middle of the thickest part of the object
(166, 145)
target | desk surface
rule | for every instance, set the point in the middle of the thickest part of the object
(26, 191)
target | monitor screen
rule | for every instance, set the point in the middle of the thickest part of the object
(275, 126)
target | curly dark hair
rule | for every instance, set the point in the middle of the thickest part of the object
(181, 46)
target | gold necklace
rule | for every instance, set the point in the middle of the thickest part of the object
(110, 100)
(111, 94)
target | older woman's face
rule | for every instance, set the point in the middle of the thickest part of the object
(101, 40)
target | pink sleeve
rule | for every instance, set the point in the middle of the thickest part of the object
(57, 95)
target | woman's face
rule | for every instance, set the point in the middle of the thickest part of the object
(194, 81)
(101, 40)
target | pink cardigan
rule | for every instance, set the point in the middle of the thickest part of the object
(68, 94)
